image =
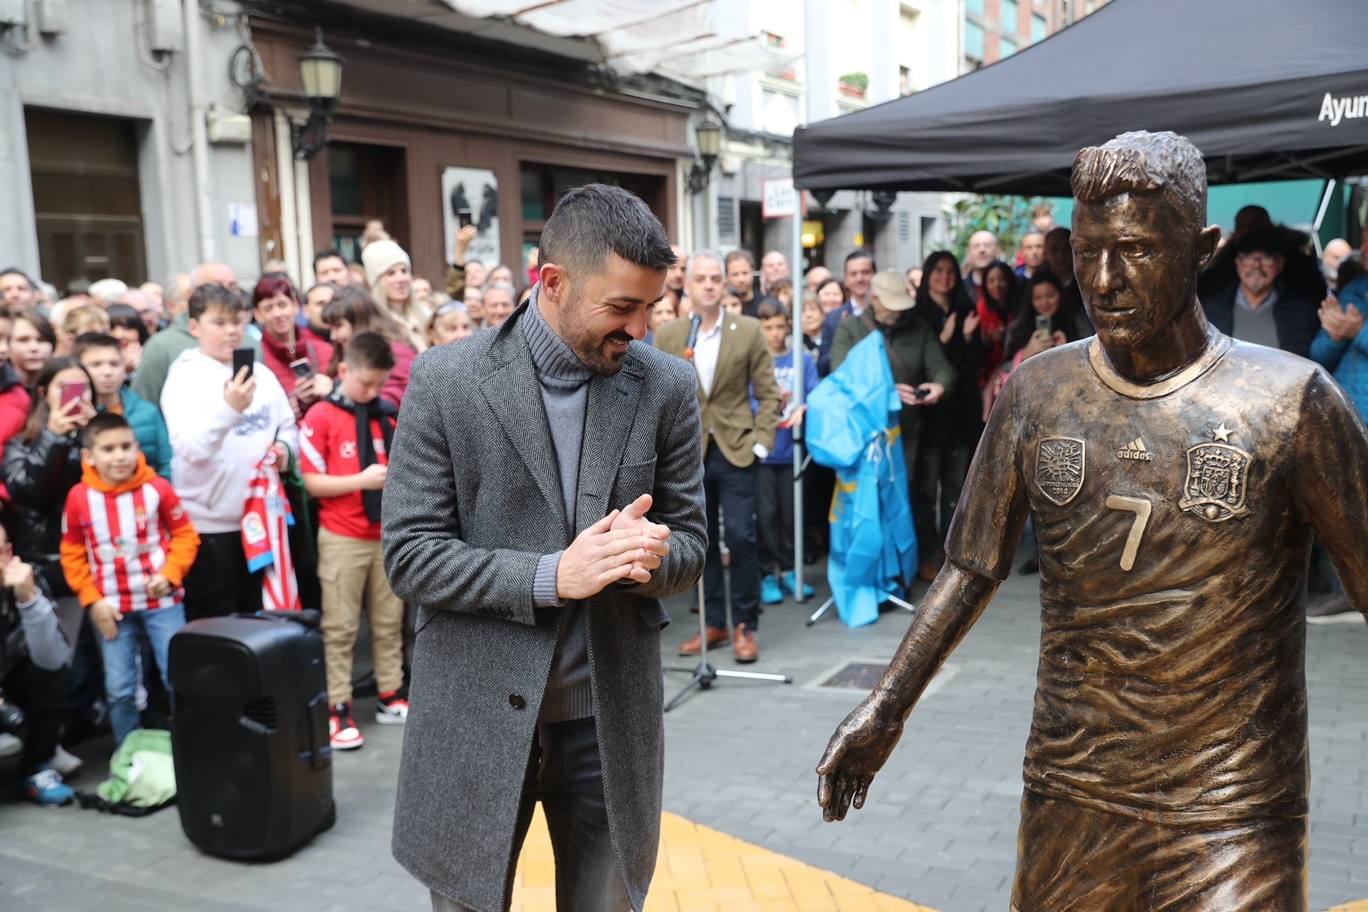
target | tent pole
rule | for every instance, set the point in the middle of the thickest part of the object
(1320, 215)
(799, 355)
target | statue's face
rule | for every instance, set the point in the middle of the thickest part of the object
(1136, 265)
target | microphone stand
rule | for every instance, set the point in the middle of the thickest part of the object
(704, 674)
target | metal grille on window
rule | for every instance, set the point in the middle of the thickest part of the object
(726, 219)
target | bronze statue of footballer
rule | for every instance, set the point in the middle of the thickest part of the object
(1176, 478)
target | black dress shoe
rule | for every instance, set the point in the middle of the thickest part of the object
(1030, 567)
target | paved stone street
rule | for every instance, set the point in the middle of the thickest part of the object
(939, 830)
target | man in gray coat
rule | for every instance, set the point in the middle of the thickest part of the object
(545, 490)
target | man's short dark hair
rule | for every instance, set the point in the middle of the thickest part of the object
(216, 297)
(86, 341)
(1262, 240)
(740, 254)
(770, 307)
(1143, 162)
(15, 270)
(859, 253)
(369, 351)
(105, 421)
(327, 255)
(596, 220)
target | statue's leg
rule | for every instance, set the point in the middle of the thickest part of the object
(1075, 859)
(1248, 866)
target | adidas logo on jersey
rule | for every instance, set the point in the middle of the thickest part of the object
(1135, 450)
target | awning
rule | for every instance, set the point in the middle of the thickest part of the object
(1267, 93)
(689, 39)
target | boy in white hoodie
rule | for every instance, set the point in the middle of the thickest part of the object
(221, 426)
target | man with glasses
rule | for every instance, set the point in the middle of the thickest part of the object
(1260, 306)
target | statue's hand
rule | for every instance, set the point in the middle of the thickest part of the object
(857, 751)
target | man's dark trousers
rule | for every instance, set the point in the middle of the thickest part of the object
(565, 774)
(733, 489)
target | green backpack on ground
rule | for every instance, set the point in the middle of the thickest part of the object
(142, 776)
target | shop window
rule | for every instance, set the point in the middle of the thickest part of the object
(543, 185)
(366, 182)
(86, 197)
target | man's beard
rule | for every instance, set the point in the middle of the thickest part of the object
(589, 348)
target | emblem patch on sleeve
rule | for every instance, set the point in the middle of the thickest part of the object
(1060, 468)
(1217, 480)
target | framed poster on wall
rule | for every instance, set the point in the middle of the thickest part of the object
(471, 196)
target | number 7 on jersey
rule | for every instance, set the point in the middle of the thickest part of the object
(1141, 508)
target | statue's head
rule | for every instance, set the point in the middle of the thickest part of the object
(1138, 235)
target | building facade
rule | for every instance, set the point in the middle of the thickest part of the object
(141, 137)
(996, 29)
(861, 52)
(115, 155)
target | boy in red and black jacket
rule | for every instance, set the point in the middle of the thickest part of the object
(344, 449)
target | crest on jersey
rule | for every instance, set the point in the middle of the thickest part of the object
(1217, 481)
(1060, 468)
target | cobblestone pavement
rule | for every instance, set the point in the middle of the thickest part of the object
(939, 830)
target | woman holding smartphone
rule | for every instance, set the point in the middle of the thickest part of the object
(1041, 322)
(43, 463)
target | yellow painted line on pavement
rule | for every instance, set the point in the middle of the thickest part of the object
(703, 870)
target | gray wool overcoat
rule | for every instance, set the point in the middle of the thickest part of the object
(472, 500)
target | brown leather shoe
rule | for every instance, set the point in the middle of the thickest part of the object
(716, 637)
(744, 647)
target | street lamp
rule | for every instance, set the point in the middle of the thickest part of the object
(320, 72)
(709, 137)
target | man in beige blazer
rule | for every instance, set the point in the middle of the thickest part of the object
(733, 363)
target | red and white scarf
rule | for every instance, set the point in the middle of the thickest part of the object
(266, 519)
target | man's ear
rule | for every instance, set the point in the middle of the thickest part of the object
(554, 283)
(1207, 240)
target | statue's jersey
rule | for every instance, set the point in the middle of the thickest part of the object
(1175, 525)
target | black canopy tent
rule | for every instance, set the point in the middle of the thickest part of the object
(1266, 89)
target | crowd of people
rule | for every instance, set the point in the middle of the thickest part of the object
(137, 435)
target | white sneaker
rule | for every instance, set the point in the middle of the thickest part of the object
(65, 763)
(393, 711)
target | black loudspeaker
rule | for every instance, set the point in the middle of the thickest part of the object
(249, 732)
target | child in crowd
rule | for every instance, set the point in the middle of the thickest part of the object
(221, 426)
(731, 304)
(14, 398)
(126, 547)
(450, 323)
(102, 356)
(344, 451)
(774, 499)
(34, 675)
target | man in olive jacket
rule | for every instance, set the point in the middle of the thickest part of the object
(921, 370)
(544, 493)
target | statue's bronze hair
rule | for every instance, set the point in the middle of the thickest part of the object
(1145, 163)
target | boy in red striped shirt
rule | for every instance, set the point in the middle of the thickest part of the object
(126, 546)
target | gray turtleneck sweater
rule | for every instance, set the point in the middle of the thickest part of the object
(564, 384)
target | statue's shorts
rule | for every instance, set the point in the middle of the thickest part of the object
(1076, 859)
